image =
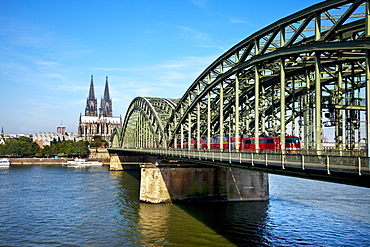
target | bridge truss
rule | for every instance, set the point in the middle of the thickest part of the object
(144, 123)
(301, 75)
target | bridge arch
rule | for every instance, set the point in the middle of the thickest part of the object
(297, 76)
(281, 78)
(143, 126)
(116, 138)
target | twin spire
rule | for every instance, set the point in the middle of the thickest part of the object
(106, 90)
(105, 109)
(91, 93)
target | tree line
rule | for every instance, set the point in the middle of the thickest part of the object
(25, 147)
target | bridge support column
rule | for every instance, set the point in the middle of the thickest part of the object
(171, 185)
(126, 162)
(115, 163)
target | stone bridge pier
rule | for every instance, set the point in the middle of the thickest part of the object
(172, 182)
(121, 161)
(185, 184)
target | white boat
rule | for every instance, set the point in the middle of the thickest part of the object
(4, 162)
(81, 163)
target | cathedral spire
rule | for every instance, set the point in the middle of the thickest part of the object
(91, 124)
(106, 90)
(91, 103)
(106, 102)
(91, 93)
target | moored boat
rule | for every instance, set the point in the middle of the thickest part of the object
(4, 162)
(81, 163)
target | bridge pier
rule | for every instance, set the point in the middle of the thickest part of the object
(115, 163)
(126, 162)
(183, 184)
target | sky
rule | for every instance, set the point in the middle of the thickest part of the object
(151, 48)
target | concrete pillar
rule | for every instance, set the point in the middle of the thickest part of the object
(128, 162)
(115, 163)
(152, 186)
(171, 185)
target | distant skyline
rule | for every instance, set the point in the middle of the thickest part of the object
(50, 49)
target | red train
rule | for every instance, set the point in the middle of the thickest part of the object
(292, 143)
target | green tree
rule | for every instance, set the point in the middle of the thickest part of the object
(23, 146)
(98, 141)
(2, 149)
(67, 147)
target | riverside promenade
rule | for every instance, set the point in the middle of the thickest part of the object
(96, 154)
(37, 161)
(49, 161)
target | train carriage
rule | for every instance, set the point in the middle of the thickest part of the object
(292, 144)
(266, 144)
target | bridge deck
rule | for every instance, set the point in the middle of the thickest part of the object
(342, 169)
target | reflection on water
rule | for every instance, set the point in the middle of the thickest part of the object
(159, 224)
(166, 223)
(240, 224)
(299, 213)
(57, 206)
(153, 222)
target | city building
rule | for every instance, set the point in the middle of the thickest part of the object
(61, 129)
(95, 123)
(47, 138)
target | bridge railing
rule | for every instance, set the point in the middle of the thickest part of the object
(330, 163)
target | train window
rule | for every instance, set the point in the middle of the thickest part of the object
(266, 141)
(249, 141)
(291, 140)
(270, 141)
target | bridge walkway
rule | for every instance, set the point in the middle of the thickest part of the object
(343, 169)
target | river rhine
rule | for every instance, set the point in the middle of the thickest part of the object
(59, 206)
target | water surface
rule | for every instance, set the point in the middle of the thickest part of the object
(59, 206)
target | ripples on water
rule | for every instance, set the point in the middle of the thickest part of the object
(59, 206)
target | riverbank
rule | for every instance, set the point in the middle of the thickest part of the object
(49, 161)
(95, 154)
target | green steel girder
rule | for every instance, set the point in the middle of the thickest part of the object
(216, 69)
(312, 60)
(117, 138)
(155, 111)
(347, 46)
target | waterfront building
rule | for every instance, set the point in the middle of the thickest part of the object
(47, 138)
(4, 136)
(95, 123)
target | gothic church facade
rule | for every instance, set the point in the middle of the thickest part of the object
(100, 123)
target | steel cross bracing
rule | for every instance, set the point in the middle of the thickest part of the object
(298, 76)
(144, 121)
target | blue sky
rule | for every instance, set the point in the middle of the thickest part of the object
(50, 48)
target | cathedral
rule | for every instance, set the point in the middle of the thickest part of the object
(91, 124)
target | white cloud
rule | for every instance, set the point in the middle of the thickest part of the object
(235, 20)
(200, 3)
(176, 73)
(193, 34)
(47, 63)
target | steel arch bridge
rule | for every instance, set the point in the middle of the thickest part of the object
(299, 76)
